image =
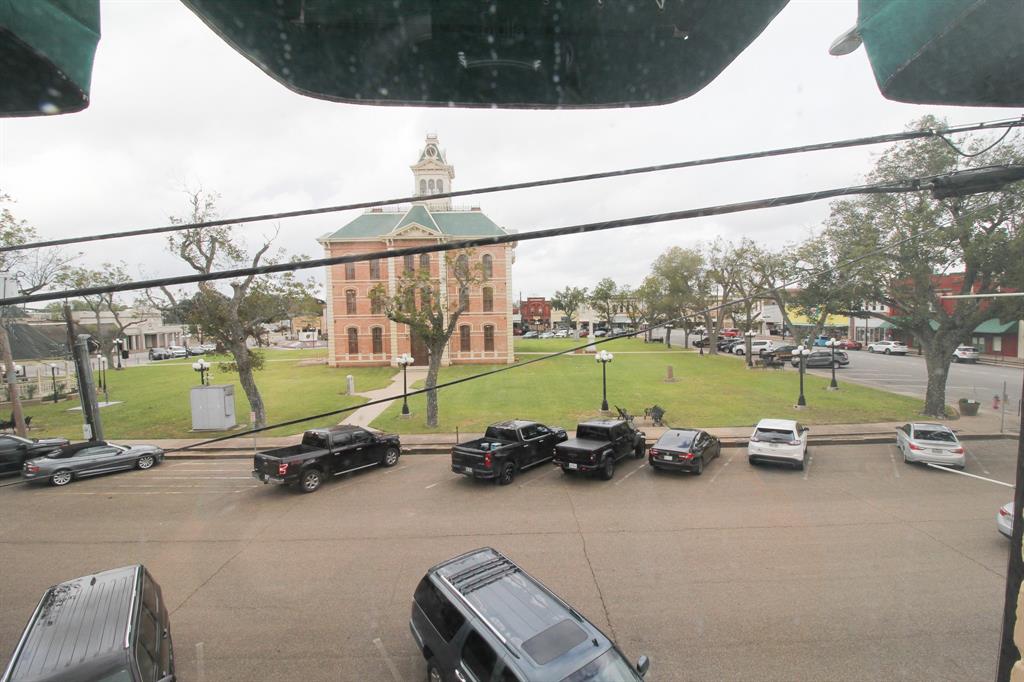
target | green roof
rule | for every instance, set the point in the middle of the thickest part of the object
(448, 223)
(994, 326)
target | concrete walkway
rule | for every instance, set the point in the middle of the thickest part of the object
(364, 415)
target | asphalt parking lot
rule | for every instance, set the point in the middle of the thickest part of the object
(858, 568)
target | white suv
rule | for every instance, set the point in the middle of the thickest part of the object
(757, 347)
(966, 354)
(888, 347)
(782, 441)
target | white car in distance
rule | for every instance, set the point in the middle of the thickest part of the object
(757, 347)
(779, 441)
(966, 354)
(931, 444)
(888, 347)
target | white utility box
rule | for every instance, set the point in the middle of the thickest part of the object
(213, 407)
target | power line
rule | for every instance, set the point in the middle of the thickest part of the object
(783, 151)
(911, 185)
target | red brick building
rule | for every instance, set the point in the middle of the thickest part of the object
(536, 313)
(360, 335)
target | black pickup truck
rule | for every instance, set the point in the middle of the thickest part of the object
(506, 448)
(324, 453)
(598, 445)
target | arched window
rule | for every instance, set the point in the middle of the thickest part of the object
(431, 186)
(375, 306)
(378, 340)
(350, 270)
(375, 268)
(425, 261)
(353, 341)
(488, 299)
(440, 186)
(350, 302)
(488, 337)
(464, 345)
(423, 186)
(409, 263)
(464, 298)
(462, 265)
(488, 263)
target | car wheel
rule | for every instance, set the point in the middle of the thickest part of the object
(888, 351)
(608, 469)
(956, 359)
(700, 466)
(311, 480)
(390, 456)
(871, 349)
(433, 673)
(836, 364)
(751, 461)
(800, 465)
(62, 477)
(145, 462)
(638, 451)
(507, 473)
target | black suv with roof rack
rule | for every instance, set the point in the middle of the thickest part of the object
(479, 618)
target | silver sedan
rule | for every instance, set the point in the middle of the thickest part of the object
(931, 443)
(89, 459)
(1004, 519)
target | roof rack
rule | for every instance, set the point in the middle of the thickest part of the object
(487, 623)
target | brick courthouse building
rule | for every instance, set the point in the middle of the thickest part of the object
(362, 336)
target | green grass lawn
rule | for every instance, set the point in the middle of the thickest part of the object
(614, 346)
(156, 397)
(710, 391)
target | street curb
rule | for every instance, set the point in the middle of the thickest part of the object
(444, 448)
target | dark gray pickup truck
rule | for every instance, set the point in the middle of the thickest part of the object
(324, 453)
(598, 445)
(506, 448)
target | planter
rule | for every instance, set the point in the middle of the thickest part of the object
(968, 408)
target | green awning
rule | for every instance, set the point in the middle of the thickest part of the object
(505, 53)
(964, 52)
(994, 326)
(46, 53)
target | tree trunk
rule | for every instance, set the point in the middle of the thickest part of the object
(938, 354)
(240, 353)
(12, 382)
(433, 369)
(712, 330)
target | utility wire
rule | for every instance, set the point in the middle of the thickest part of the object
(783, 151)
(911, 185)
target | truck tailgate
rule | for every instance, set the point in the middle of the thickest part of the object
(466, 457)
(263, 464)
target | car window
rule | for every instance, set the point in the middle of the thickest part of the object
(530, 432)
(507, 675)
(150, 598)
(361, 437)
(147, 647)
(442, 614)
(342, 438)
(773, 435)
(940, 435)
(608, 667)
(478, 656)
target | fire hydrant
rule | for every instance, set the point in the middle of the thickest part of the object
(995, 402)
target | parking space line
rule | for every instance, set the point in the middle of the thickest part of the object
(623, 479)
(391, 471)
(964, 473)
(978, 461)
(892, 458)
(387, 659)
(722, 468)
(428, 487)
(807, 467)
(201, 478)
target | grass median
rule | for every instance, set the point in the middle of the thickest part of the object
(710, 391)
(155, 397)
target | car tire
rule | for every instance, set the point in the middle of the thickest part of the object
(751, 461)
(61, 478)
(700, 466)
(836, 364)
(956, 359)
(888, 351)
(607, 469)
(434, 673)
(870, 349)
(507, 473)
(391, 456)
(145, 462)
(800, 465)
(638, 451)
(310, 480)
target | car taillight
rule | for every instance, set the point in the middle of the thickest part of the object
(652, 451)
(1004, 512)
(487, 460)
(755, 439)
(915, 447)
(957, 451)
(795, 442)
(282, 469)
(32, 468)
(687, 455)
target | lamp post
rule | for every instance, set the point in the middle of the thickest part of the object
(604, 357)
(202, 366)
(668, 334)
(120, 348)
(831, 343)
(802, 353)
(404, 360)
(53, 377)
(748, 339)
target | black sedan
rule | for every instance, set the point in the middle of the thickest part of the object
(89, 459)
(15, 450)
(823, 358)
(684, 450)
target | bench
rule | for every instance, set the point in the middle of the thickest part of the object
(768, 360)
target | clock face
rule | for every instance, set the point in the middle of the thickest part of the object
(431, 151)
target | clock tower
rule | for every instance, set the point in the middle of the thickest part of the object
(433, 175)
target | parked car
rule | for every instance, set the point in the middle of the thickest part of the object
(1004, 519)
(584, 334)
(684, 450)
(179, 351)
(598, 445)
(933, 443)
(966, 354)
(888, 347)
(822, 358)
(562, 334)
(757, 347)
(724, 344)
(159, 354)
(111, 626)
(849, 344)
(729, 332)
(784, 352)
(780, 441)
(547, 335)
(15, 450)
(506, 449)
(530, 335)
(822, 341)
(600, 332)
(90, 458)
(704, 342)
(480, 617)
(324, 453)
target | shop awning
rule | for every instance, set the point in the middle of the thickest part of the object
(994, 326)
(46, 53)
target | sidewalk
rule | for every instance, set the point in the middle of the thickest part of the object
(364, 415)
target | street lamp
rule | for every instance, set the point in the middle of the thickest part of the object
(120, 348)
(802, 353)
(749, 336)
(404, 360)
(53, 376)
(604, 357)
(831, 343)
(668, 334)
(202, 366)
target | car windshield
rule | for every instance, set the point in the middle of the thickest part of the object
(969, 349)
(608, 667)
(773, 435)
(938, 435)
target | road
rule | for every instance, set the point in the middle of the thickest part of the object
(858, 568)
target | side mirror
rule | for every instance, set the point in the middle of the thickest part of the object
(642, 665)
(806, 429)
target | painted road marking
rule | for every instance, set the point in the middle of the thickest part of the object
(391, 471)
(892, 458)
(964, 473)
(807, 468)
(387, 659)
(623, 479)
(722, 468)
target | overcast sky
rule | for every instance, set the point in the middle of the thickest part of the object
(173, 106)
